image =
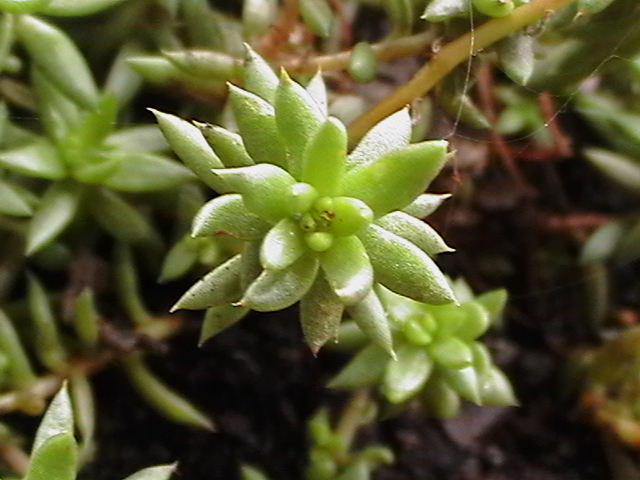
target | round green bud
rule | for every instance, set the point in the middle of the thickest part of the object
(321, 466)
(307, 223)
(363, 64)
(350, 215)
(22, 6)
(319, 241)
(494, 8)
(323, 205)
(428, 322)
(441, 400)
(415, 333)
(302, 196)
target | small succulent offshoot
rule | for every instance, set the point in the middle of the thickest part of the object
(320, 225)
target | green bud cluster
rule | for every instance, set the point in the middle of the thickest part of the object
(439, 358)
(320, 224)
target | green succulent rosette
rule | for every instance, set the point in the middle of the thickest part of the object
(320, 225)
(439, 358)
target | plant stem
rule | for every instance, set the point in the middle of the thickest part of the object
(450, 56)
(386, 50)
(352, 417)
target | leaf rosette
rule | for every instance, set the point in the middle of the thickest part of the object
(321, 225)
(439, 358)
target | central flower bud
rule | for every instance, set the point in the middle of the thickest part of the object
(322, 218)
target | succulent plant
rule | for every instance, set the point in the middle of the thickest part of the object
(320, 225)
(439, 357)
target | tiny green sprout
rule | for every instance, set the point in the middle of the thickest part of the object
(494, 8)
(321, 224)
(439, 358)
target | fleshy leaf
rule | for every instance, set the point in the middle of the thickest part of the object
(416, 231)
(257, 123)
(517, 56)
(160, 472)
(119, 217)
(348, 269)
(282, 245)
(496, 391)
(73, 8)
(464, 381)
(298, 118)
(493, 302)
(56, 210)
(318, 16)
(227, 145)
(191, 147)
(441, 10)
(621, 169)
(323, 160)
(405, 376)
(219, 318)
(49, 349)
(278, 289)
(146, 172)
(602, 243)
(391, 134)
(141, 138)
(58, 58)
(259, 78)
(320, 314)
(371, 317)
(228, 214)
(451, 352)
(262, 187)
(57, 420)
(180, 259)
(405, 269)
(441, 399)
(19, 372)
(39, 159)
(15, 200)
(162, 398)
(55, 459)
(425, 204)
(218, 287)
(365, 369)
(318, 91)
(593, 6)
(396, 179)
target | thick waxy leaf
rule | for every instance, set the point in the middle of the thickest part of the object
(320, 314)
(440, 10)
(218, 287)
(56, 210)
(261, 187)
(619, 168)
(593, 6)
(464, 381)
(323, 161)
(416, 231)
(257, 124)
(494, 8)
(162, 398)
(122, 83)
(205, 63)
(425, 204)
(395, 180)
(318, 91)
(146, 172)
(451, 352)
(15, 200)
(363, 370)
(55, 459)
(258, 16)
(496, 391)
(143, 138)
(58, 58)
(120, 218)
(458, 104)
(517, 56)
(278, 289)
(392, 133)
(282, 246)
(493, 302)
(405, 269)
(49, 349)
(22, 6)
(602, 243)
(250, 268)
(348, 269)
(86, 318)
(58, 112)
(74, 8)
(180, 259)
(476, 321)
(259, 78)
(405, 376)
(19, 370)
(372, 319)
(318, 16)
(228, 214)
(250, 473)
(161, 472)
(39, 159)
(57, 420)
(190, 145)
(440, 399)
(218, 318)
(227, 145)
(363, 63)
(298, 118)
(402, 15)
